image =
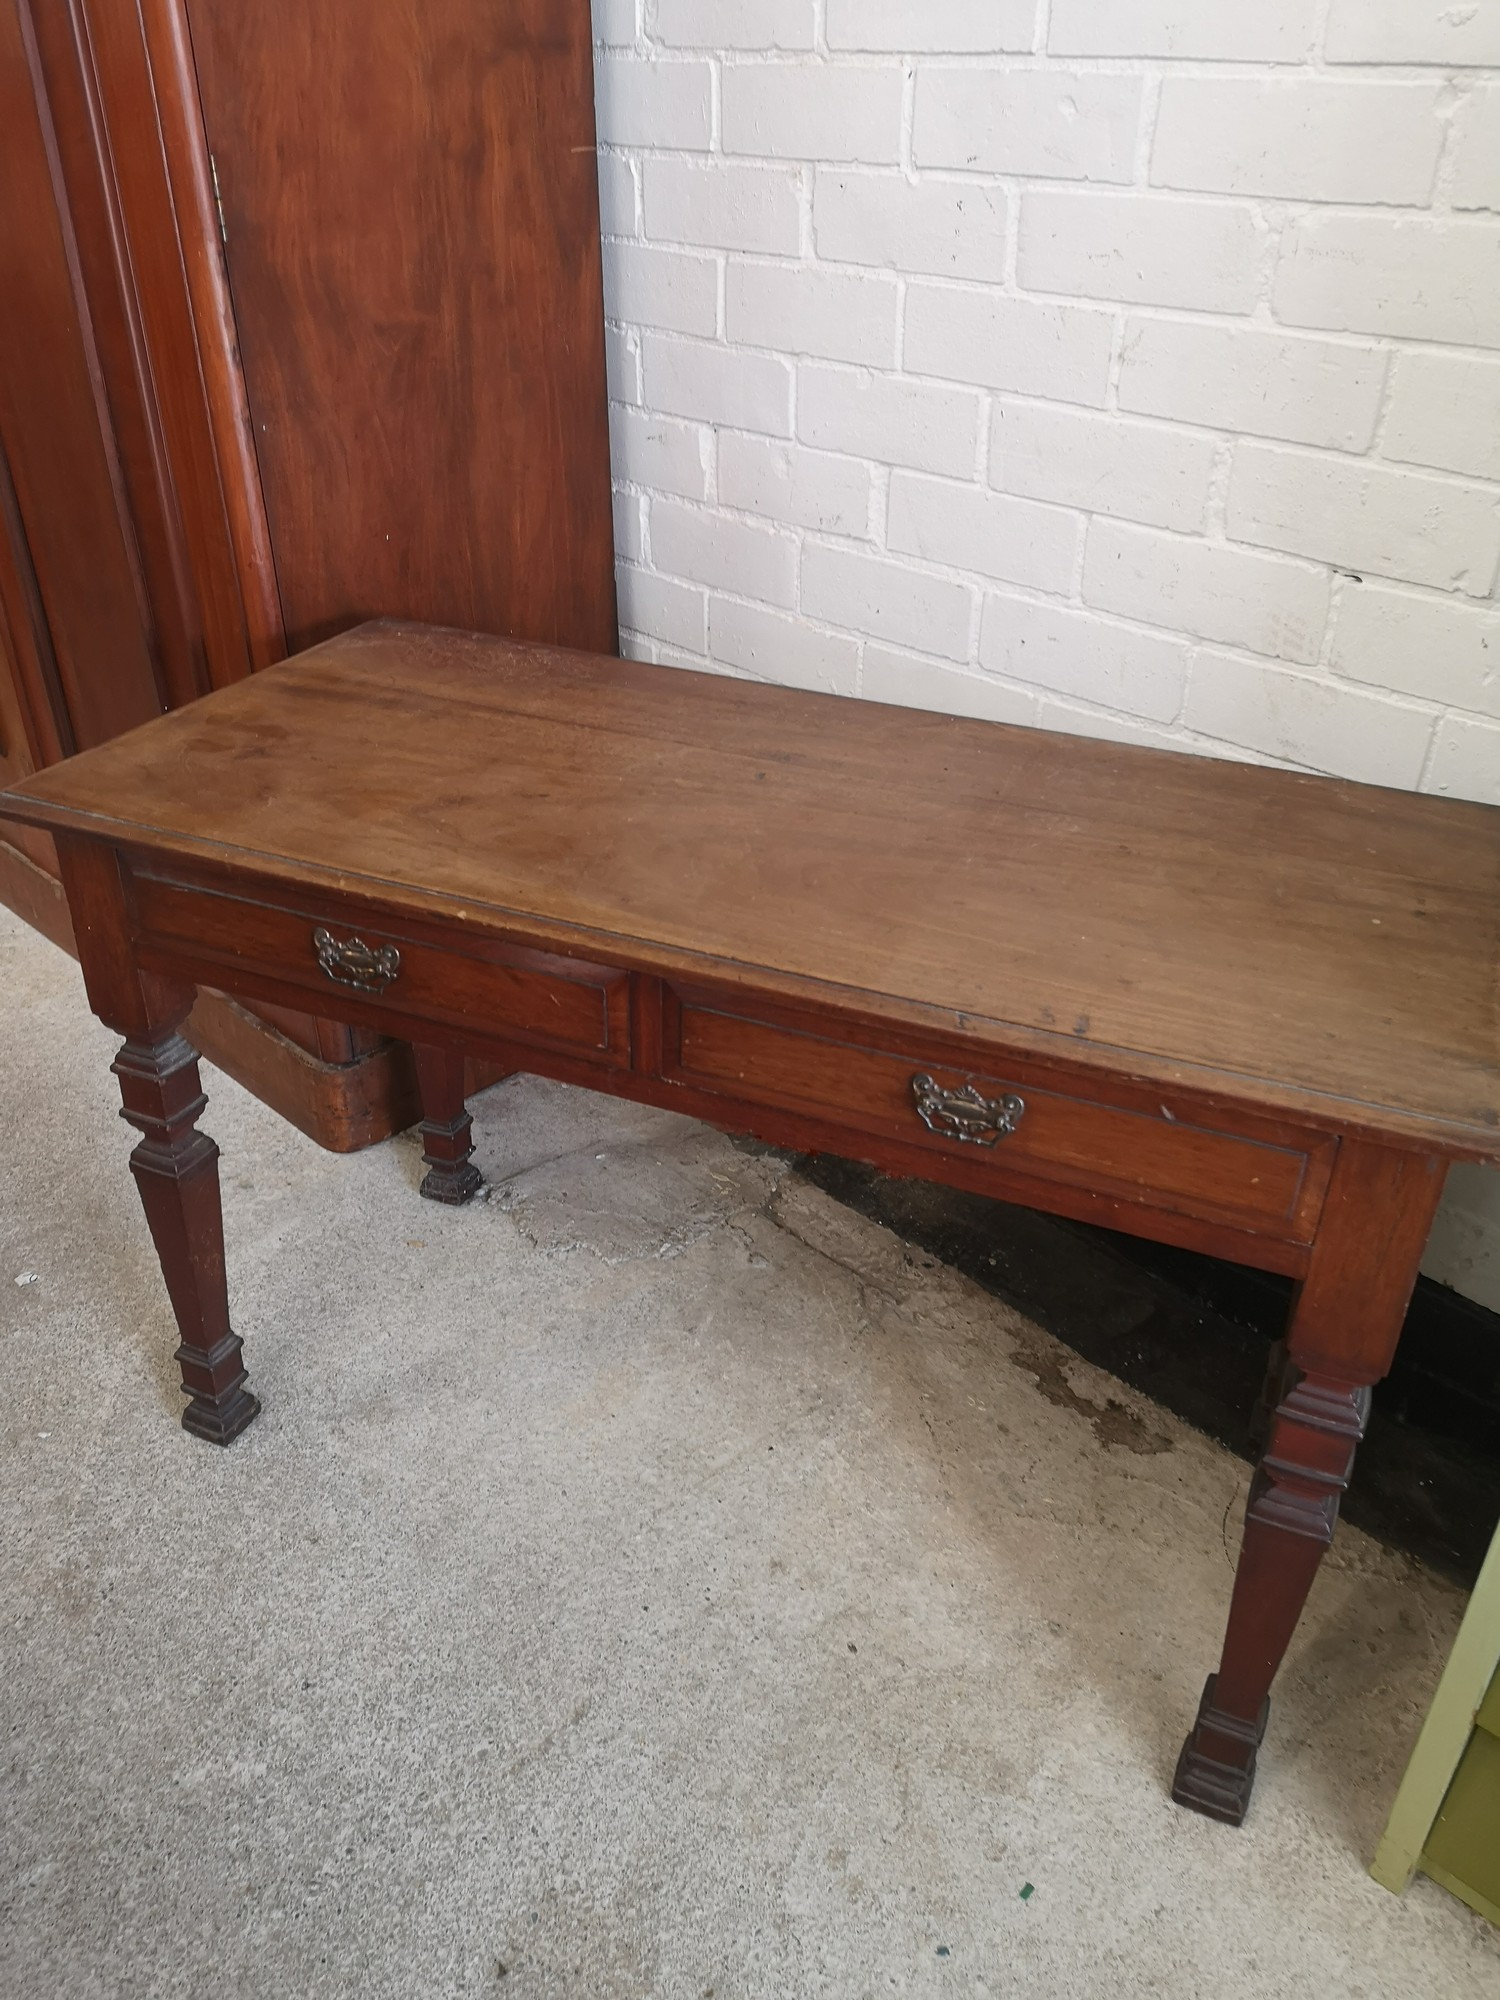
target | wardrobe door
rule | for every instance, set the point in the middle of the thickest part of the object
(16, 758)
(71, 584)
(34, 726)
(411, 233)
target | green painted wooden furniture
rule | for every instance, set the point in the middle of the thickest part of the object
(1446, 1819)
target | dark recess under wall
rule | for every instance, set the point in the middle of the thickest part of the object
(1193, 1334)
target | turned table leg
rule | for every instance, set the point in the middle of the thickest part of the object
(1344, 1327)
(447, 1149)
(176, 1167)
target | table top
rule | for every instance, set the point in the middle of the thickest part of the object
(1295, 942)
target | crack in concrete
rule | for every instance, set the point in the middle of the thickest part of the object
(772, 1211)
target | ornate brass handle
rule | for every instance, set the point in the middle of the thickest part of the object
(367, 968)
(965, 1114)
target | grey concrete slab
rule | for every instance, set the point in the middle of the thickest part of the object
(654, 1580)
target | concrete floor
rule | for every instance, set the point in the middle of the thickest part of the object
(651, 1581)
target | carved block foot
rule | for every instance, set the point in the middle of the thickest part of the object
(453, 1185)
(451, 1176)
(447, 1148)
(220, 1404)
(1216, 1771)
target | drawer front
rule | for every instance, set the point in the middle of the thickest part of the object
(526, 996)
(1270, 1184)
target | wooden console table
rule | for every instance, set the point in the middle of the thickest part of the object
(1243, 1010)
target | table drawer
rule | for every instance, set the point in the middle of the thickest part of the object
(519, 995)
(1263, 1177)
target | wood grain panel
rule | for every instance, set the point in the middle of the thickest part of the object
(413, 250)
(16, 758)
(150, 128)
(36, 703)
(87, 176)
(55, 424)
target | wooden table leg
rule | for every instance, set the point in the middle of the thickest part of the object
(175, 1166)
(1344, 1327)
(176, 1169)
(447, 1149)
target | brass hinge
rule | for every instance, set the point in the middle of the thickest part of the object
(213, 168)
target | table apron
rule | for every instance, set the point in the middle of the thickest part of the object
(1123, 1155)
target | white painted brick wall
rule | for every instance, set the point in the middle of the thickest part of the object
(662, 287)
(979, 27)
(1122, 366)
(987, 534)
(1103, 463)
(733, 24)
(1265, 31)
(695, 543)
(809, 489)
(1076, 653)
(1352, 513)
(663, 455)
(1444, 410)
(1285, 714)
(722, 206)
(615, 23)
(1421, 277)
(888, 600)
(772, 646)
(676, 612)
(1001, 342)
(1239, 377)
(1056, 123)
(1312, 140)
(1466, 759)
(777, 112)
(1476, 151)
(719, 384)
(950, 229)
(1413, 642)
(1414, 31)
(649, 103)
(908, 681)
(1153, 249)
(890, 420)
(1209, 590)
(804, 309)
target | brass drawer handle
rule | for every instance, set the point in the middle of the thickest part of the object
(367, 968)
(965, 1114)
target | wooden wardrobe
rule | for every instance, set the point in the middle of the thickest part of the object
(301, 323)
